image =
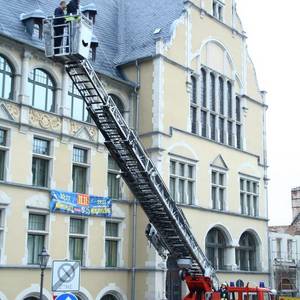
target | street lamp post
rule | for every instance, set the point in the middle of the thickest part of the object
(43, 260)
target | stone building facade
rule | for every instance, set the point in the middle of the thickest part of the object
(181, 75)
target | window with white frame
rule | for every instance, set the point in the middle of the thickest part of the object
(37, 232)
(113, 179)
(2, 212)
(112, 241)
(40, 162)
(249, 197)
(194, 106)
(278, 248)
(3, 152)
(218, 188)
(80, 170)
(182, 182)
(218, 9)
(41, 88)
(77, 239)
(290, 254)
(238, 110)
(6, 78)
(220, 115)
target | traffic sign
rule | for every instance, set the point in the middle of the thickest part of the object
(67, 296)
(65, 276)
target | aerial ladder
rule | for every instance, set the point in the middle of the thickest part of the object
(168, 230)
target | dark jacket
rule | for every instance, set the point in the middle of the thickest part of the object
(224, 293)
(72, 7)
(59, 13)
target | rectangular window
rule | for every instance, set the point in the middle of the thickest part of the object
(80, 169)
(213, 127)
(290, 249)
(3, 150)
(193, 119)
(40, 162)
(113, 179)
(112, 241)
(1, 230)
(221, 95)
(3, 135)
(238, 109)
(218, 187)
(230, 133)
(278, 248)
(229, 99)
(182, 182)
(2, 163)
(212, 92)
(204, 123)
(41, 146)
(222, 130)
(36, 237)
(249, 197)
(238, 136)
(221, 117)
(203, 88)
(80, 155)
(77, 239)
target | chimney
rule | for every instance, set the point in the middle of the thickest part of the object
(296, 202)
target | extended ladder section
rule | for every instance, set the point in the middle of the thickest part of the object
(139, 172)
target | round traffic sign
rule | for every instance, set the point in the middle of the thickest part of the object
(67, 296)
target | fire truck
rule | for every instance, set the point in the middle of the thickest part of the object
(68, 41)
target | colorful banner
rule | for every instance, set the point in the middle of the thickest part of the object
(80, 204)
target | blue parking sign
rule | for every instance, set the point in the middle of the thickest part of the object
(67, 296)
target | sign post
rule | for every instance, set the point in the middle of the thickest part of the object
(65, 276)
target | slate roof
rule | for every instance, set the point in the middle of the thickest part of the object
(124, 28)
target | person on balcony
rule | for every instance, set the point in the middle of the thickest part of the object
(58, 23)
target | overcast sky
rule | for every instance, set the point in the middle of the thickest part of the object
(273, 30)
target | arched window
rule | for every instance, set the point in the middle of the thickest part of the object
(31, 298)
(77, 104)
(215, 245)
(6, 79)
(41, 90)
(246, 252)
(109, 297)
(118, 103)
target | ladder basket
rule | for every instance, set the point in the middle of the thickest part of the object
(68, 38)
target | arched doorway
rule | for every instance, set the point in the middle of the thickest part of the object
(31, 298)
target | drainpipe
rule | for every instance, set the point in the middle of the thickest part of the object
(133, 270)
(265, 163)
(134, 207)
(136, 91)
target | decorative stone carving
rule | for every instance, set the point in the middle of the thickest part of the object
(12, 110)
(83, 131)
(44, 120)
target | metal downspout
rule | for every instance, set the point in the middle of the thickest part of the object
(134, 208)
